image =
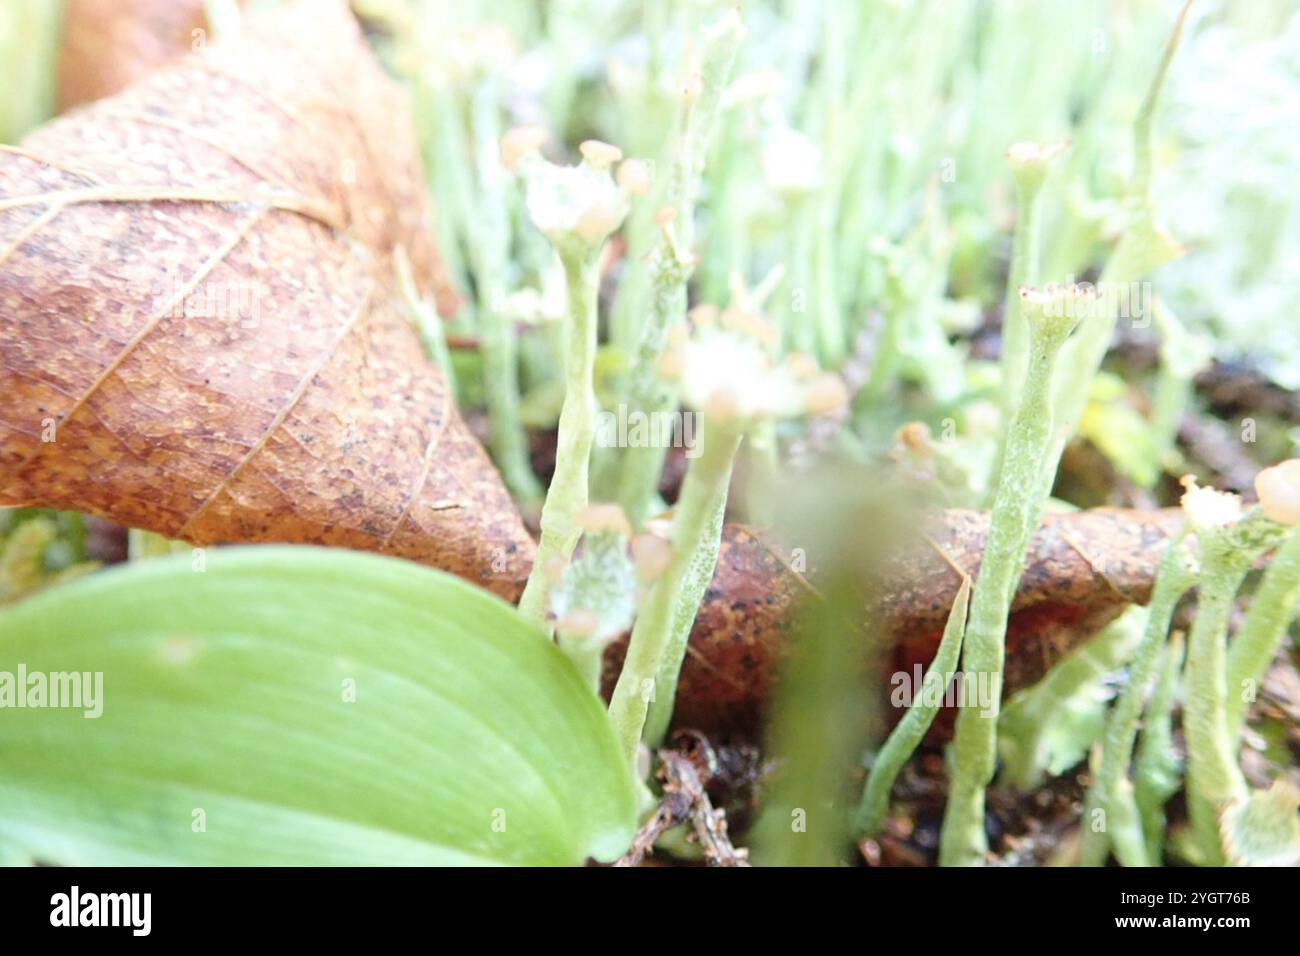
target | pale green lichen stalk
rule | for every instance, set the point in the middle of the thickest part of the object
(1112, 793)
(576, 208)
(1051, 317)
(29, 48)
(1144, 246)
(428, 324)
(672, 261)
(1229, 542)
(1029, 168)
(703, 494)
(489, 259)
(1157, 773)
(911, 730)
(1274, 603)
(728, 375)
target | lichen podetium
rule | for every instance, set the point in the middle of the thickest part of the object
(1051, 316)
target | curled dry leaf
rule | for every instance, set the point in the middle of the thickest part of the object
(1083, 569)
(106, 45)
(198, 336)
(109, 44)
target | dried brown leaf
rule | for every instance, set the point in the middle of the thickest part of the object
(108, 44)
(195, 283)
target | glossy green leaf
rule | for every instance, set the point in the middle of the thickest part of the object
(300, 705)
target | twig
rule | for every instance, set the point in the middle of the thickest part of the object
(685, 800)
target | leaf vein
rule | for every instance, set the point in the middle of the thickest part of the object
(294, 398)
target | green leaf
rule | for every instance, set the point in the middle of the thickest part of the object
(470, 738)
(1048, 728)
